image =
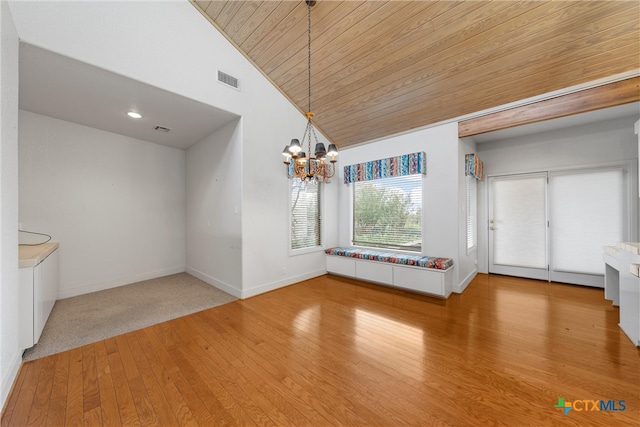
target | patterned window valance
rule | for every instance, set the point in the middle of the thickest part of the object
(473, 166)
(407, 164)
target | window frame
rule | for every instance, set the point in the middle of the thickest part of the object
(398, 249)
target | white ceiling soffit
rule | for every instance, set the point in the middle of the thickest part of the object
(66, 89)
(626, 110)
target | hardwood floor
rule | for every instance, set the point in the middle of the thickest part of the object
(336, 351)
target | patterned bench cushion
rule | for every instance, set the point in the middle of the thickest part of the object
(393, 257)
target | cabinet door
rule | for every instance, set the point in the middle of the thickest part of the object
(25, 310)
(341, 265)
(420, 280)
(45, 289)
(378, 272)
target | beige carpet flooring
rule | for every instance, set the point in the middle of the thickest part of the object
(88, 318)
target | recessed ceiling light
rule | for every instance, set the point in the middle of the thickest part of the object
(134, 115)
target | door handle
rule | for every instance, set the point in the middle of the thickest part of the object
(492, 228)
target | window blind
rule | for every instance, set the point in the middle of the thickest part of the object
(472, 208)
(305, 215)
(387, 213)
(587, 211)
(520, 222)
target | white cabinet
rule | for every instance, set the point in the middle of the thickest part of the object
(373, 271)
(622, 285)
(427, 280)
(38, 290)
(629, 289)
(413, 278)
(341, 265)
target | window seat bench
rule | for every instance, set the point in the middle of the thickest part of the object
(419, 273)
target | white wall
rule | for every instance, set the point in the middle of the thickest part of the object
(10, 351)
(135, 39)
(115, 204)
(586, 145)
(267, 263)
(441, 230)
(467, 262)
(214, 199)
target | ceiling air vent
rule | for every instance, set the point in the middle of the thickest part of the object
(228, 80)
(161, 128)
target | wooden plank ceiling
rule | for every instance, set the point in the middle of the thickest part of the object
(384, 67)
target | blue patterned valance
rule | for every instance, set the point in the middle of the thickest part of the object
(473, 166)
(407, 164)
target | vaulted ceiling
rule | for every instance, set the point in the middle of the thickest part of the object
(384, 67)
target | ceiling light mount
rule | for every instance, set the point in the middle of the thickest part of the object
(321, 166)
(134, 115)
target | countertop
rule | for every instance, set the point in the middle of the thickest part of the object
(30, 256)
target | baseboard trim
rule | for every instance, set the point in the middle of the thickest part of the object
(281, 283)
(81, 290)
(247, 293)
(9, 378)
(462, 286)
(214, 282)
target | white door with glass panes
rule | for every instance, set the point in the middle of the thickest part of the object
(518, 225)
(552, 226)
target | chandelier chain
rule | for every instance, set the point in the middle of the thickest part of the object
(318, 167)
(309, 67)
(309, 50)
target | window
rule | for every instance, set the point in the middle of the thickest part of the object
(387, 213)
(305, 215)
(472, 212)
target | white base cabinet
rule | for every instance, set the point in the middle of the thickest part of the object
(622, 286)
(427, 280)
(629, 294)
(38, 292)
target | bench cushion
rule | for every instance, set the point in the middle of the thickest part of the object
(392, 257)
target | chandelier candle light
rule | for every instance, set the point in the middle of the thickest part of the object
(321, 167)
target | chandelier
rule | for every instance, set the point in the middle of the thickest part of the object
(320, 167)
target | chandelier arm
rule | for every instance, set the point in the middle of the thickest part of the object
(332, 168)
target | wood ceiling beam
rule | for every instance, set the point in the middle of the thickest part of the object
(609, 95)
